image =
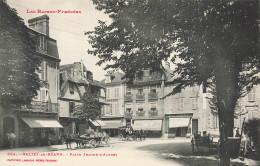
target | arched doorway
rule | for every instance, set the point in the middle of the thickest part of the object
(8, 126)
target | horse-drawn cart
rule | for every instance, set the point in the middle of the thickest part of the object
(128, 134)
(236, 146)
(92, 140)
(204, 141)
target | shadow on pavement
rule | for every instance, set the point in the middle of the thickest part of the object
(182, 154)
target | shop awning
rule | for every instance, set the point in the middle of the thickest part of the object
(147, 125)
(94, 122)
(178, 122)
(112, 124)
(101, 122)
(42, 123)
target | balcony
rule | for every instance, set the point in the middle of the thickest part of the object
(140, 113)
(129, 98)
(152, 113)
(44, 107)
(101, 99)
(140, 97)
(153, 96)
(128, 114)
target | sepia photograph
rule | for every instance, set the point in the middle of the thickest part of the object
(129, 82)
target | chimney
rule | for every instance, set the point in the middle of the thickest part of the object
(167, 66)
(108, 78)
(40, 24)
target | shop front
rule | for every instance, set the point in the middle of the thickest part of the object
(178, 125)
(150, 127)
(38, 131)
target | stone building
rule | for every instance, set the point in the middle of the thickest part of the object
(75, 80)
(31, 122)
(113, 111)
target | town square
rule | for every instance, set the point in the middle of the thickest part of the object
(129, 82)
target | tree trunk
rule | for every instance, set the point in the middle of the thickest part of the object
(226, 76)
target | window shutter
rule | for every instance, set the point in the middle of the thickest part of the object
(43, 94)
(43, 70)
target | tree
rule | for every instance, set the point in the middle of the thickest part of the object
(18, 64)
(252, 129)
(90, 109)
(209, 40)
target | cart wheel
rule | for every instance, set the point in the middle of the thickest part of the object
(93, 143)
(120, 136)
(98, 143)
(105, 140)
(127, 138)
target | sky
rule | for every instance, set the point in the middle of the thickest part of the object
(68, 28)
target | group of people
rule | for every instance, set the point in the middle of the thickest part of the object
(11, 139)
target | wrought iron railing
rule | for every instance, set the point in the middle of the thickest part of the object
(129, 97)
(153, 113)
(128, 114)
(140, 113)
(38, 106)
(140, 96)
(153, 95)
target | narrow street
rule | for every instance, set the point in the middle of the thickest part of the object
(152, 152)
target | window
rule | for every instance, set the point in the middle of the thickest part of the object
(215, 121)
(139, 91)
(116, 92)
(251, 95)
(44, 95)
(128, 91)
(108, 93)
(153, 106)
(180, 103)
(109, 109)
(116, 108)
(193, 103)
(128, 110)
(140, 75)
(140, 110)
(42, 43)
(71, 107)
(44, 71)
(153, 109)
(152, 89)
(71, 87)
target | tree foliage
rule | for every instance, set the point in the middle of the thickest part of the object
(18, 64)
(90, 109)
(208, 41)
(252, 129)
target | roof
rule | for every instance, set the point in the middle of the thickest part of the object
(80, 79)
(52, 48)
(116, 78)
(68, 67)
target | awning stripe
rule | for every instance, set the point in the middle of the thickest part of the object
(101, 122)
(112, 124)
(147, 125)
(42, 123)
(94, 122)
(178, 122)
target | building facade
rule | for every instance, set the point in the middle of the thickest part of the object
(75, 80)
(30, 123)
(113, 111)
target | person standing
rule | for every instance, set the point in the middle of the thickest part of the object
(43, 138)
(11, 139)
